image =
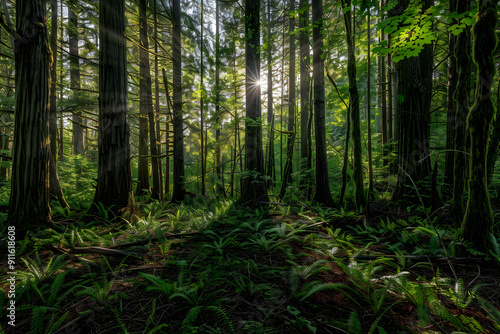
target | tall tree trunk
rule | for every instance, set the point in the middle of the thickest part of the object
(254, 186)
(305, 107)
(29, 197)
(146, 119)
(270, 163)
(146, 99)
(461, 104)
(287, 177)
(178, 179)
(357, 173)
(53, 82)
(478, 219)
(323, 194)
(74, 63)
(114, 177)
(219, 183)
(368, 108)
(168, 150)
(451, 106)
(157, 105)
(383, 95)
(202, 125)
(413, 108)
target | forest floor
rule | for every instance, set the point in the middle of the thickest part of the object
(214, 267)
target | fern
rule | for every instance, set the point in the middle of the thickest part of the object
(37, 317)
(311, 288)
(491, 310)
(353, 323)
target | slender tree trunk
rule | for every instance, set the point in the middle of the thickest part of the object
(451, 115)
(114, 177)
(478, 219)
(270, 163)
(61, 124)
(305, 107)
(323, 194)
(74, 63)
(157, 105)
(167, 136)
(357, 173)
(461, 100)
(383, 95)
(368, 108)
(219, 183)
(29, 197)
(147, 97)
(202, 125)
(287, 176)
(254, 186)
(179, 191)
(53, 82)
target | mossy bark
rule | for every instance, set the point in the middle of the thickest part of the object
(413, 108)
(461, 104)
(478, 218)
(357, 172)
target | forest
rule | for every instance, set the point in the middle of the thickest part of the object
(249, 166)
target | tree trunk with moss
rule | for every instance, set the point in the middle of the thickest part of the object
(461, 104)
(478, 219)
(357, 172)
(413, 108)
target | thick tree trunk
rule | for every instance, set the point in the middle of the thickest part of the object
(323, 194)
(178, 179)
(74, 63)
(478, 219)
(114, 178)
(29, 197)
(254, 185)
(357, 173)
(413, 108)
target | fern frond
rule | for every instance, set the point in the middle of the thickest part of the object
(353, 324)
(37, 317)
(190, 318)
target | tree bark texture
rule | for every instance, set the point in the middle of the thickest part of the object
(305, 107)
(74, 73)
(323, 194)
(114, 178)
(29, 198)
(357, 172)
(413, 108)
(179, 191)
(254, 186)
(478, 219)
(461, 104)
(287, 175)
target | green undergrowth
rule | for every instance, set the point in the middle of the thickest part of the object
(213, 267)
